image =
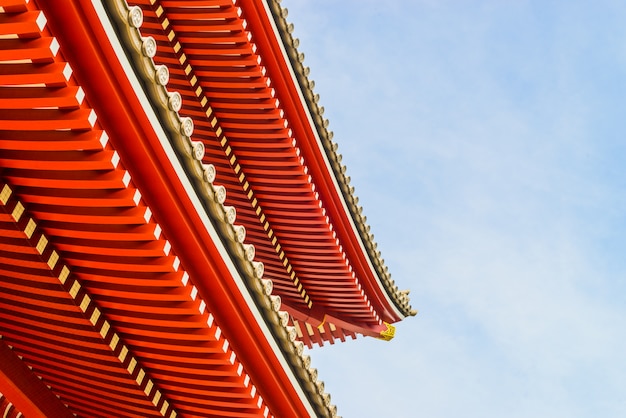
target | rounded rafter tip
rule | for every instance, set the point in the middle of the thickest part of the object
(292, 334)
(299, 347)
(186, 126)
(209, 172)
(220, 196)
(320, 386)
(268, 286)
(259, 268)
(161, 74)
(175, 101)
(240, 232)
(284, 318)
(149, 46)
(231, 214)
(276, 302)
(197, 150)
(135, 16)
(249, 251)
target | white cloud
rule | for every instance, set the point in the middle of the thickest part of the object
(485, 141)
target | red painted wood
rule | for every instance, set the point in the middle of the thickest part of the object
(269, 48)
(27, 393)
(87, 47)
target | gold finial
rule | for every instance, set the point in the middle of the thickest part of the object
(389, 333)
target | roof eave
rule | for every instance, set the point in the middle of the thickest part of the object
(395, 303)
(289, 372)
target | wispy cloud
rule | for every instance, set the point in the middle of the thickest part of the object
(485, 141)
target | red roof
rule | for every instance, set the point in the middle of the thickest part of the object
(248, 111)
(159, 272)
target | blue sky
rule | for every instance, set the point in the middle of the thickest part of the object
(486, 143)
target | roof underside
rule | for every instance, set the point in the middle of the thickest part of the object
(257, 134)
(122, 275)
(76, 241)
(93, 298)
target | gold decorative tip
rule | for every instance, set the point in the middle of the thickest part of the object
(389, 333)
(320, 327)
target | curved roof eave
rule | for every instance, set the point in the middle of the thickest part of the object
(397, 299)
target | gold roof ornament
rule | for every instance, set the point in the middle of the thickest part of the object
(389, 333)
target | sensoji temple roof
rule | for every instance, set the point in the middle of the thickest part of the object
(175, 221)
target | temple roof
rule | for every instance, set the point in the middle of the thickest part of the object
(399, 297)
(249, 114)
(91, 283)
(175, 221)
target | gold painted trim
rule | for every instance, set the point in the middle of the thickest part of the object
(18, 210)
(388, 333)
(5, 194)
(30, 228)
